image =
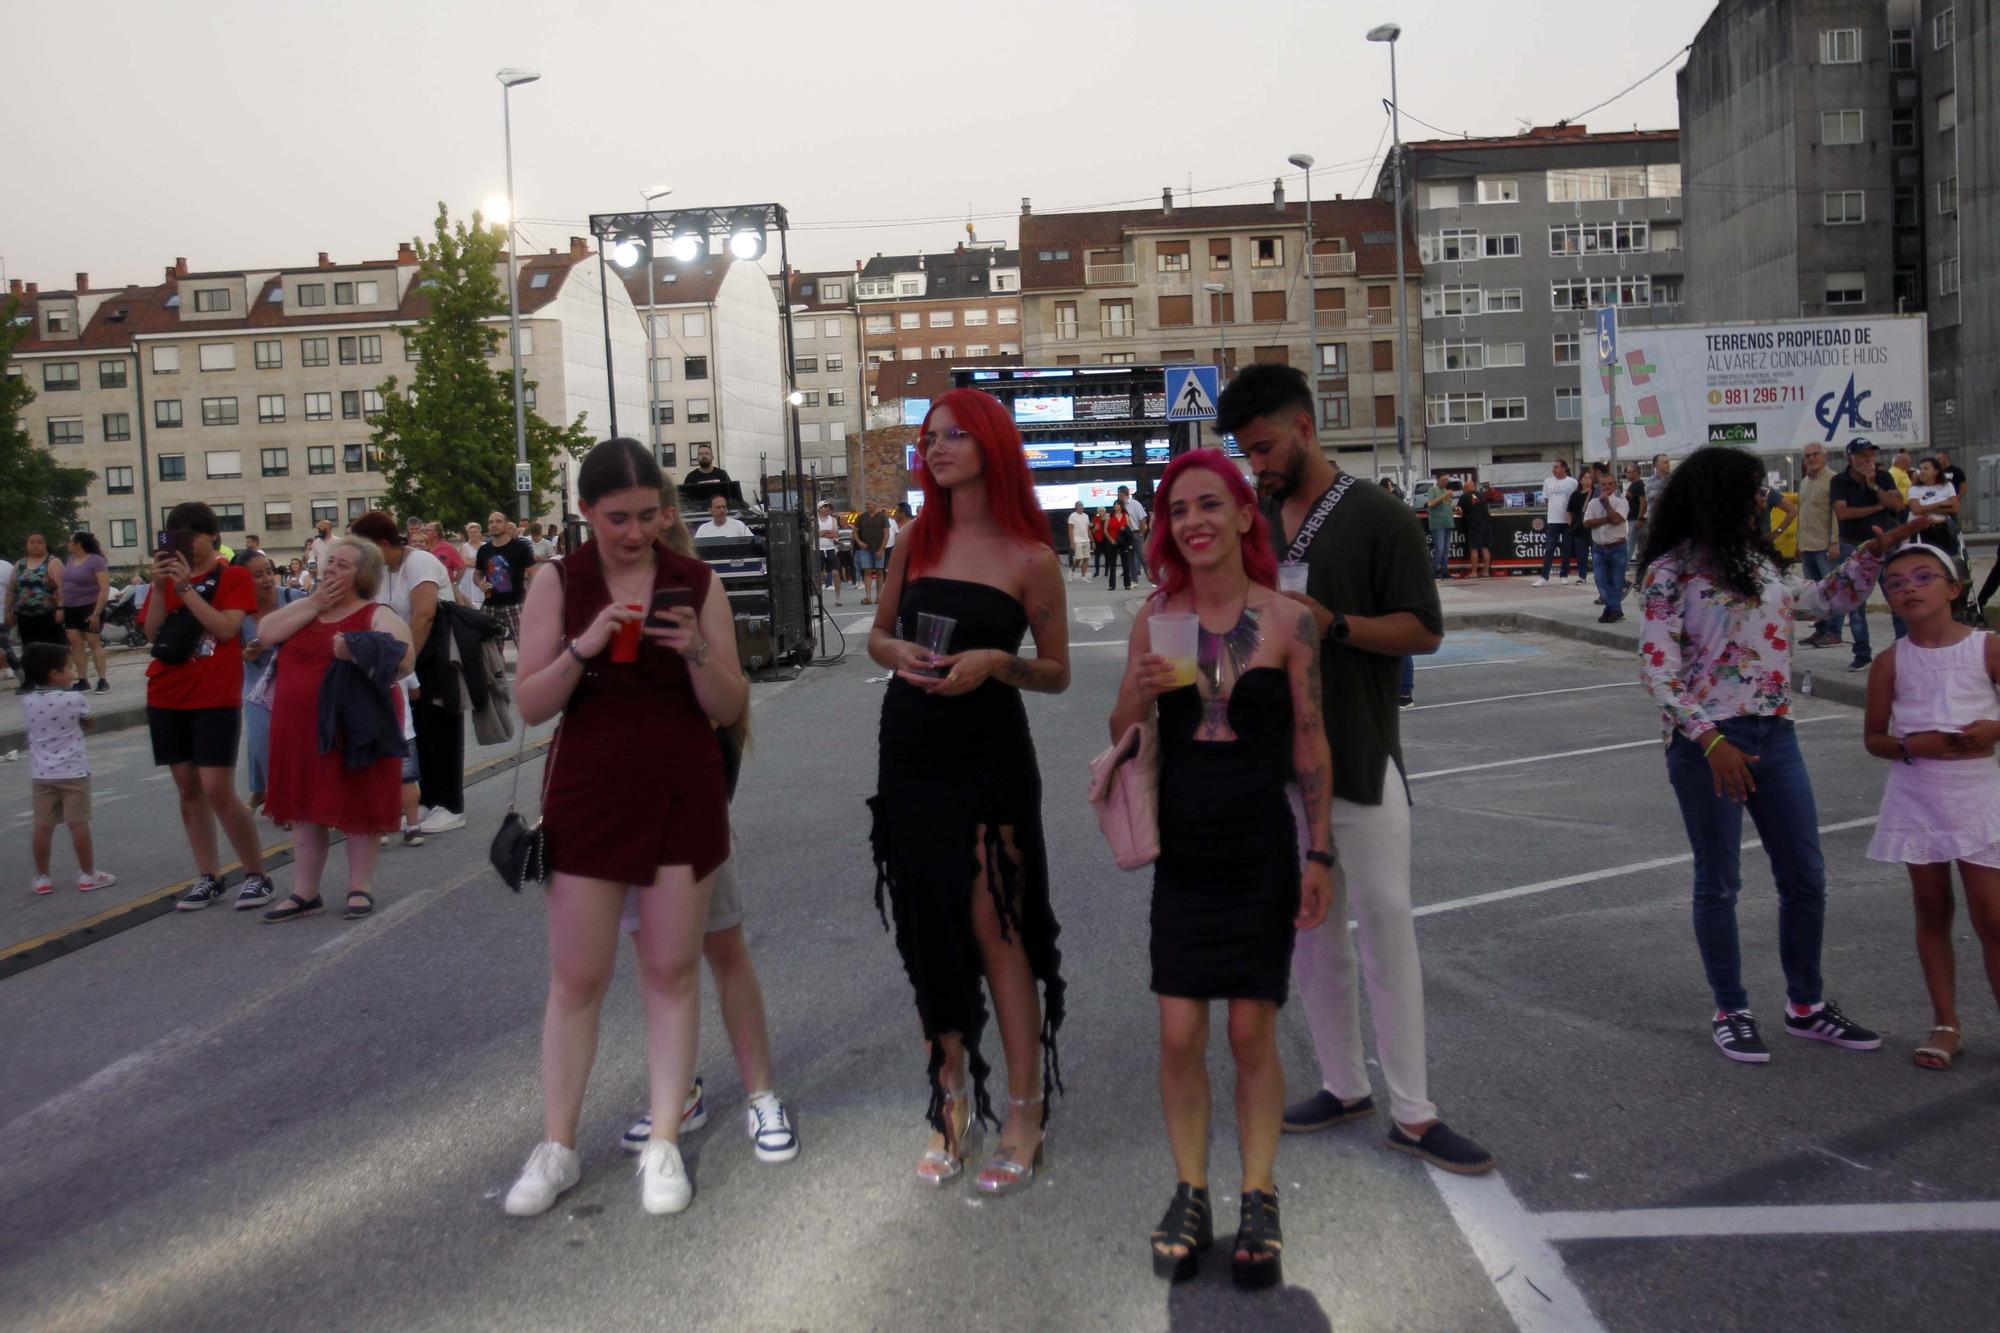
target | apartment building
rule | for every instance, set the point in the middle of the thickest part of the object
(1522, 237)
(827, 369)
(1801, 162)
(1229, 284)
(254, 390)
(718, 365)
(959, 303)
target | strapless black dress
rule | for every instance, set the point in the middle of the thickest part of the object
(948, 768)
(1226, 886)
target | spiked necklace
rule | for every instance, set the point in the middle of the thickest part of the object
(1236, 646)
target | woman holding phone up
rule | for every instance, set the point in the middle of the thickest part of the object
(636, 649)
(958, 804)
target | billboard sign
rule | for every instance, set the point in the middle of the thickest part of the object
(1772, 387)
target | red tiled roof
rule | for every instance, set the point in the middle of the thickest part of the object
(675, 283)
(893, 379)
(1546, 136)
(1079, 233)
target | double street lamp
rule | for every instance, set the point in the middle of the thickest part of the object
(1389, 32)
(510, 79)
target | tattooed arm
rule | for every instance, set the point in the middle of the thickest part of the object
(1048, 620)
(1312, 761)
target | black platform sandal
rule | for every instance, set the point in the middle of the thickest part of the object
(292, 909)
(1258, 1235)
(354, 912)
(1187, 1222)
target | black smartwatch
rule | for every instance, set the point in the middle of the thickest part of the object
(1338, 630)
(1321, 859)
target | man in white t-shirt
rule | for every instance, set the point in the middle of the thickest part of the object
(829, 550)
(1079, 543)
(720, 524)
(415, 586)
(1557, 487)
(316, 548)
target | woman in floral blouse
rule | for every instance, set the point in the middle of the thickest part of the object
(1716, 653)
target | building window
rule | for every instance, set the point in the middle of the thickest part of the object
(349, 350)
(809, 398)
(319, 407)
(1666, 289)
(805, 365)
(1902, 49)
(909, 287)
(1267, 307)
(65, 430)
(1267, 252)
(310, 294)
(371, 401)
(371, 348)
(1010, 349)
(667, 456)
(975, 318)
(1506, 354)
(809, 432)
(663, 413)
(1114, 319)
(1947, 112)
(1455, 409)
(211, 300)
(694, 326)
(1382, 355)
(1948, 276)
(1503, 247)
(275, 462)
(325, 511)
(124, 532)
(269, 354)
(944, 352)
(1841, 208)
(941, 319)
(216, 356)
(836, 397)
(1172, 256)
(1840, 46)
(1456, 300)
(173, 467)
(1846, 288)
(371, 461)
(1569, 404)
(1218, 253)
(1499, 190)
(1944, 29)
(1006, 280)
(1332, 358)
(166, 360)
(1568, 349)
(1593, 293)
(277, 515)
(1119, 358)
(1508, 409)
(1450, 246)
(60, 375)
(832, 293)
(1176, 311)
(913, 354)
(319, 459)
(354, 457)
(350, 405)
(978, 349)
(270, 407)
(1065, 321)
(909, 319)
(223, 464)
(229, 517)
(1009, 315)
(1451, 356)
(835, 364)
(313, 351)
(166, 413)
(698, 411)
(118, 481)
(1599, 238)
(694, 367)
(218, 411)
(878, 325)
(1840, 127)
(1947, 195)
(117, 425)
(1333, 411)
(1903, 127)
(343, 293)
(111, 374)
(57, 321)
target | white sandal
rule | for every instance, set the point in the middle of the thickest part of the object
(953, 1163)
(1013, 1175)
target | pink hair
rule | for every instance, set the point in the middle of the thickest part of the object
(1163, 557)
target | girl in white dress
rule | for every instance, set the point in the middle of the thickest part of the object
(1933, 709)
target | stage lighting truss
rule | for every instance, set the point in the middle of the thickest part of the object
(688, 235)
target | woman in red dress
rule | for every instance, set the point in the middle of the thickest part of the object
(633, 797)
(310, 791)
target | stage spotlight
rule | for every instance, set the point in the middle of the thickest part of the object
(690, 242)
(631, 250)
(746, 235)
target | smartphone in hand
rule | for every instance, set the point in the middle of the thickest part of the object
(665, 601)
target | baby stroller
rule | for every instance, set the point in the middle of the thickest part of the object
(123, 614)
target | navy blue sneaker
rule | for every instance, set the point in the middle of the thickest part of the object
(1323, 1110)
(206, 891)
(1828, 1024)
(1444, 1148)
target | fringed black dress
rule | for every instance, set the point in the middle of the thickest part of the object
(951, 767)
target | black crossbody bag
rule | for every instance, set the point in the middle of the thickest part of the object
(179, 635)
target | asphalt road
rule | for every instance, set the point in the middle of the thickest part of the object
(210, 1122)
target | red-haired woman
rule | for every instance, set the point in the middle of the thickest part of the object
(1227, 890)
(958, 805)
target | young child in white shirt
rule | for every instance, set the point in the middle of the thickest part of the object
(56, 719)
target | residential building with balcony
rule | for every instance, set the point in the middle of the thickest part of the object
(1522, 239)
(1226, 285)
(827, 370)
(254, 390)
(718, 365)
(950, 305)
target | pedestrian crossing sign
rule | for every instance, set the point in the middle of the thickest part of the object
(1191, 392)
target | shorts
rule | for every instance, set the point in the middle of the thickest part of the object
(829, 560)
(410, 773)
(204, 737)
(77, 618)
(725, 903)
(65, 801)
(867, 560)
(509, 616)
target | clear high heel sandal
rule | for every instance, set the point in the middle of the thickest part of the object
(1012, 1175)
(940, 1166)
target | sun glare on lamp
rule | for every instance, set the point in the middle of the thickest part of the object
(746, 236)
(690, 242)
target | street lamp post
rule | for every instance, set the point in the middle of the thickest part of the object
(652, 337)
(1389, 32)
(1304, 162)
(510, 78)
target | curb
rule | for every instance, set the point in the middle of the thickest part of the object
(1846, 688)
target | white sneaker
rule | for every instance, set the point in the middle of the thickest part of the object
(694, 1114)
(103, 879)
(42, 885)
(441, 820)
(663, 1182)
(770, 1129)
(551, 1169)
(1539, 583)
(1580, 581)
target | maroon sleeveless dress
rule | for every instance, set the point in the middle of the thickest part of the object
(635, 778)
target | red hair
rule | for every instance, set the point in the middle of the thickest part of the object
(1163, 557)
(1010, 491)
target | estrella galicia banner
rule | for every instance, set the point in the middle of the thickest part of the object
(1767, 387)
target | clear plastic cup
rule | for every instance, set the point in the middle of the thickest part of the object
(1177, 637)
(934, 635)
(1292, 576)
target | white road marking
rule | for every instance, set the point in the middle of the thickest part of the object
(1653, 741)
(1101, 643)
(1484, 661)
(1532, 694)
(1527, 1271)
(1818, 1219)
(1097, 617)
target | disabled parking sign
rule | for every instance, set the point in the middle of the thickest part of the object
(1191, 392)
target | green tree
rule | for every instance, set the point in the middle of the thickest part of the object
(446, 443)
(37, 493)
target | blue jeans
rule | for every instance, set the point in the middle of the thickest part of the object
(1782, 808)
(1440, 551)
(1607, 565)
(257, 744)
(1816, 565)
(1406, 681)
(1555, 543)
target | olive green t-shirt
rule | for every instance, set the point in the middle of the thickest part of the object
(1370, 558)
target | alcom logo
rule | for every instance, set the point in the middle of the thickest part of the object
(1848, 409)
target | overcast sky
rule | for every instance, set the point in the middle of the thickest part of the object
(256, 133)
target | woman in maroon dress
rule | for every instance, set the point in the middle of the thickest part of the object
(633, 796)
(310, 791)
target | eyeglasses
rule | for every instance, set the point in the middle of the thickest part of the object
(953, 436)
(1916, 578)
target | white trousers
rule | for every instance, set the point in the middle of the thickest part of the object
(1372, 879)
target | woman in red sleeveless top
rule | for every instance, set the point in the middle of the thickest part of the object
(633, 795)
